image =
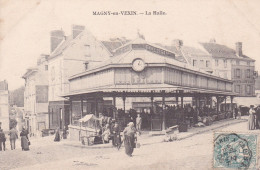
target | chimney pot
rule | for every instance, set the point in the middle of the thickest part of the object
(212, 40)
(239, 51)
(57, 36)
(177, 43)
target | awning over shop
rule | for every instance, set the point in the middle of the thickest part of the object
(247, 101)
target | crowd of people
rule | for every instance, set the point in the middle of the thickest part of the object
(13, 136)
(254, 118)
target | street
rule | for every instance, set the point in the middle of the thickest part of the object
(191, 153)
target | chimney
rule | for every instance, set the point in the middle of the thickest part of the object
(212, 40)
(42, 58)
(177, 43)
(239, 49)
(57, 36)
(76, 30)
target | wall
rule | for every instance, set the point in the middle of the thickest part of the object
(219, 67)
(55, 79)
(242, 76)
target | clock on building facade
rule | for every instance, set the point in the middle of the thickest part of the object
(138, 64)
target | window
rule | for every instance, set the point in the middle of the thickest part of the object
(248, 73)
(248, 89)
(207, 63)
(238, 73)
(46, 67)
(194, 62)
(216, 62)
(86, 65)
(238, 63)
(87, 50)
(225, 63)
(248, 63)
(237, 88)
(201, 63)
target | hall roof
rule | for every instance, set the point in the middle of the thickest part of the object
(125, 59)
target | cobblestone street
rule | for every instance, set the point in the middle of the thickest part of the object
(173, 155)
(44, 150)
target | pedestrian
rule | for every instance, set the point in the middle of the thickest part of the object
(251, 118)
(138, 122)
(236, 112)
(57, 135)
(2, 140)
(239, 113)
(106, 134)
(116, 136)
(258, 117)
(129, 138)
(13, 136)
(24, 140)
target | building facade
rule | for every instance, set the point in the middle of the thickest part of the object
(139, 69)
(36, 96)
(69, 55)
(233, 65)
(4, 106)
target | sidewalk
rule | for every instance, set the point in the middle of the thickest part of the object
(146, 139)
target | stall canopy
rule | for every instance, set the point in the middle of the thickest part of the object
(89, 117)
(90, 122)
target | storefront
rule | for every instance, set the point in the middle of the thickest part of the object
(139, 70)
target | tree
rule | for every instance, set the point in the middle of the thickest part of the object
(16, 97)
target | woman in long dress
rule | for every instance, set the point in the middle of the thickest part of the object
(24, 140)
(251, 118)
(129, 138)
(106, 134)
(57, 135)
(258, 117)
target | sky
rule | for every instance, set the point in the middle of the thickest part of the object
(25, 26)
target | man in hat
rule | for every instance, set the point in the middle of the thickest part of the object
(2, 140)
(13, 136)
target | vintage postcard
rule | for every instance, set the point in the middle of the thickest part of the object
(151, 84)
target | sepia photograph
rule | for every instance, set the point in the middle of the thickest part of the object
(129, 85)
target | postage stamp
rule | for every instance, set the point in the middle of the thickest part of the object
(235, 150)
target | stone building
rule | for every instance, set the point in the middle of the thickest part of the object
(36, 96)
(4, 106)
(234, 65)
(71, 55)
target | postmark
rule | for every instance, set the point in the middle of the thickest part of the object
(235, 150)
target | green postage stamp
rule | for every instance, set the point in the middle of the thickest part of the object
(235, 150)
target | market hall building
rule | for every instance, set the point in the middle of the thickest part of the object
(139, 69)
